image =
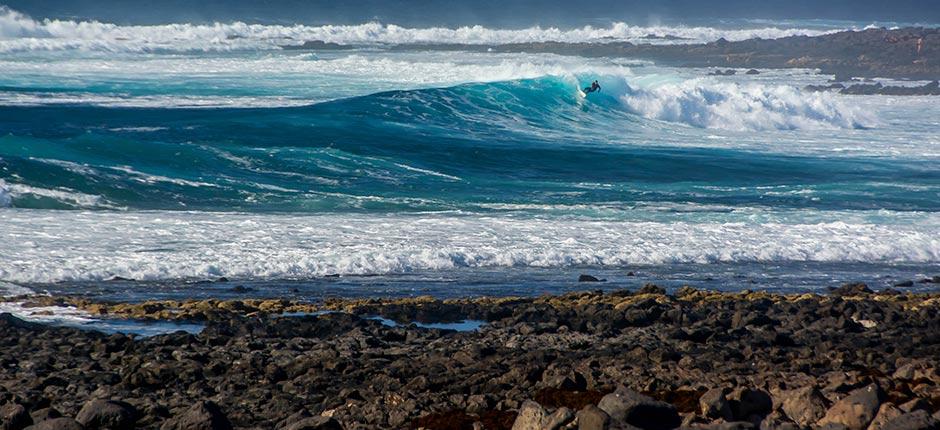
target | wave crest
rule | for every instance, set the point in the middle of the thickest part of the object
(733, 106)
(19, 32)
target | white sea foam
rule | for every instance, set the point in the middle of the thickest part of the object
(428, 172)
(5, 198)
(14, 98)
(19, 32)
(94, 246)
(148, 178)
(734, 106)
(9, 192)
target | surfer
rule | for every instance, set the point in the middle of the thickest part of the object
(594, 87)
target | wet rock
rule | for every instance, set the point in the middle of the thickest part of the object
(907, 283)
(107, 414)
(856, 410)
(57, 424)
(822, 88)
(805, 406)
(589, 278)
(929, 89)
(651, 289)
(204, 415)
(729, 72)
(592, 418)
(851, 289)
(713, 404)
(629, 407)
(752, 72)
(14, 417)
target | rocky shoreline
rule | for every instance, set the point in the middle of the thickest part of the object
(851, 359)
(929, 89)
(903, 53)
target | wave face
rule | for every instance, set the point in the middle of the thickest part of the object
(531, 142)
(19, 32)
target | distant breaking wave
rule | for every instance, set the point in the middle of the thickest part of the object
(19, 32)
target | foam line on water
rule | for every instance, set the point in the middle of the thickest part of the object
(78, 246)
(12, 191)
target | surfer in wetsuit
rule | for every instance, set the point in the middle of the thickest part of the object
(594, 87)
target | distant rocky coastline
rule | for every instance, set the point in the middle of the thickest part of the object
(906, 53)
(929, 89)
(852, 359)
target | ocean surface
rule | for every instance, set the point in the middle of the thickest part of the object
(149, 161)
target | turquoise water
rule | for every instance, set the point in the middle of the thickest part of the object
(442, 172)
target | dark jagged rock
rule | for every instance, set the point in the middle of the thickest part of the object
(629, 407)
(729, 72)
(713, 404)
(805, 405)
(592, 418)
(856, 410)
(43, 414)
(315, 423)
(14, 417)
(318, 45)
(589, 278)
(203, 415)
(107, 414)
(851, 289)
(751, 405)
(930, 89)
(651, 289)
(916, 420)
(57, 424)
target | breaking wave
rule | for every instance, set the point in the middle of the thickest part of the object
(83, 246)
(735, 106)
(19, 32)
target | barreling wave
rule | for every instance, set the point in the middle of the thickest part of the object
(83, 246)
(19, 32)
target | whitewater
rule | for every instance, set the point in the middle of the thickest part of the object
(141, 161)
